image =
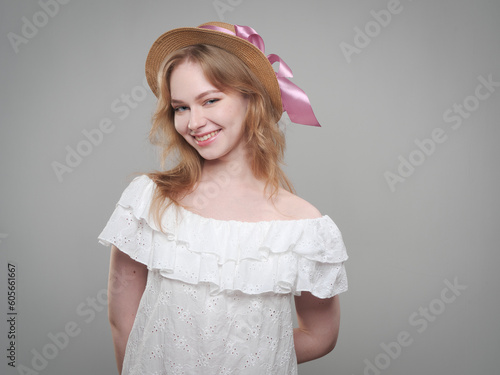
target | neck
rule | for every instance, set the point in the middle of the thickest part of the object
(234, 169)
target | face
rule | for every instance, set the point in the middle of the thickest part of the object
(210, 120)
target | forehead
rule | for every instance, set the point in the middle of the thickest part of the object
(188, 75)
(189, 82)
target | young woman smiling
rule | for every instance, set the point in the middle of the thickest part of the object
(219, 244)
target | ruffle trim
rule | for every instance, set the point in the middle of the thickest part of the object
(282, 256)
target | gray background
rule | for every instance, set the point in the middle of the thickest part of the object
(438, 223)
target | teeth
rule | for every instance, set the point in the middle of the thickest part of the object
(205, 137)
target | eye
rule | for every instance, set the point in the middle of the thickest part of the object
(211, 101)
(180, 108)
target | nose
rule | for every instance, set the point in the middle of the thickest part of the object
(196, 119)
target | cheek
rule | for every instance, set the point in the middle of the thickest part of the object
(180, 125)
(243, 110)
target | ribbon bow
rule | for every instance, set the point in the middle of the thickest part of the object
(294, 99)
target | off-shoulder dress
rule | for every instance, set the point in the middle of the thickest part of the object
(218, 298)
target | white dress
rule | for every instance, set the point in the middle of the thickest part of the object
(219, 293)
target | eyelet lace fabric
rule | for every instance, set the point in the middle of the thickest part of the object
(219, 293)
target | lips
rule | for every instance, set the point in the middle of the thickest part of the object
(206, 138)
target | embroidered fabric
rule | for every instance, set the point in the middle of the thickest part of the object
(219, 293)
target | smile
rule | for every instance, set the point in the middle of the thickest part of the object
(207, 136)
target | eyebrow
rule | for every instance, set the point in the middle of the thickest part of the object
(198, 97)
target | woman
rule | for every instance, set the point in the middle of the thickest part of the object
(209, 253)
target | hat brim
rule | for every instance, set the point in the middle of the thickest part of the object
(176, 39)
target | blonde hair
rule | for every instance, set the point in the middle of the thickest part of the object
(264, 140)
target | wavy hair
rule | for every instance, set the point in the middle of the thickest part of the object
(264, 139)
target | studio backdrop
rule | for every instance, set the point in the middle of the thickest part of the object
(406, 164)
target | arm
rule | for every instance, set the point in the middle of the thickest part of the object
(127, 281)
(319, 321)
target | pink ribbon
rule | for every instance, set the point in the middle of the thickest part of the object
(294, 99)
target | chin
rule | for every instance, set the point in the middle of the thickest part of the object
(210, 157)
(212, 154)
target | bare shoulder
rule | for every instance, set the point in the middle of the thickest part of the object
(296, 207)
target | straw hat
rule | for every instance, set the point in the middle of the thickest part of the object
(252, 56)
